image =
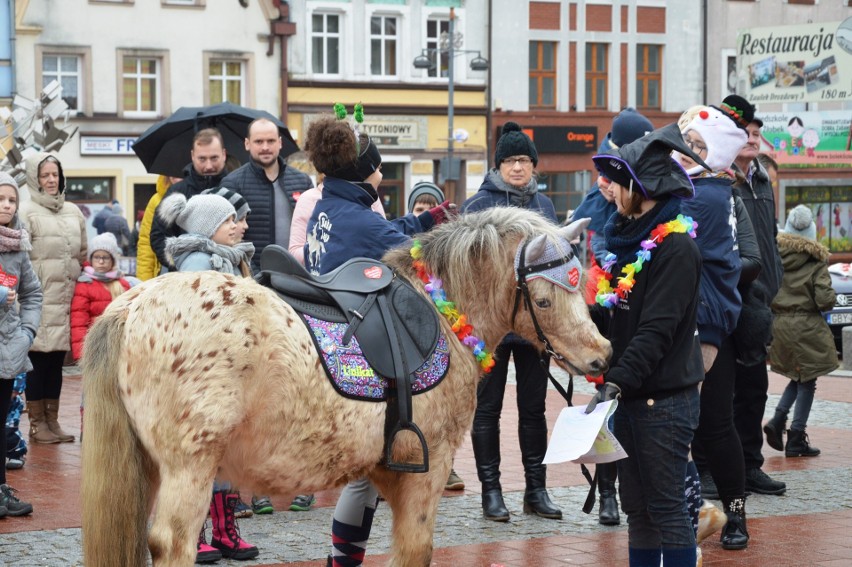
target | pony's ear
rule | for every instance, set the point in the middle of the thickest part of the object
(535, 249)
(574, 229)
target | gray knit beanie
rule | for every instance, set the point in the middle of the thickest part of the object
(800, 221)
(6, 179)
(240, 204)
(202, 214)
(424, 188)
(105, 242)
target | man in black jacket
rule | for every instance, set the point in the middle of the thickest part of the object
(269, 187)
(754, 327)
(205, 171)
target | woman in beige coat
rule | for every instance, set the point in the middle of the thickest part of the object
(58, 233)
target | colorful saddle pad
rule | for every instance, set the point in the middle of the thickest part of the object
(352, 376)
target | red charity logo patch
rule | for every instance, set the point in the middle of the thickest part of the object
(373, 273)
(574, 277)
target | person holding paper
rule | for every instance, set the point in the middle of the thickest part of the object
(646, 304)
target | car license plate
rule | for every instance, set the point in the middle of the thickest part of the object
(840, 318)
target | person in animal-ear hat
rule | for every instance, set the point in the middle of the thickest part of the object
(647, 304)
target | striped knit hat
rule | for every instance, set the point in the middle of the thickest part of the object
(240, 204)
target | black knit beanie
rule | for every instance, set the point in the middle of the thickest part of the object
(513, 142)
(369, 160)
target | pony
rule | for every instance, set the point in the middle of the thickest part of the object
(193, 375)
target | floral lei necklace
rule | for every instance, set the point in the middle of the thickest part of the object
(458, 321)
(609, 297)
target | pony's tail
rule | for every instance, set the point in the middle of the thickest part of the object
(115, 486)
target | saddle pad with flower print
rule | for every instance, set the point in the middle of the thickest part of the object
(352, 376)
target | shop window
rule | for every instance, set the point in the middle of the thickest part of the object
(391, 190)
(565, 189)
(597, 63)
(325, 44)
(832, 210)
(649, 77)
(383, 42)
(543, 74)
(89, 189)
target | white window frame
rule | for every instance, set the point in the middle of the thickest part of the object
(432, 42)
(84, 80)
(325, 35)
(161, 85)
(383, 39)
(246, 61)
(184, 3)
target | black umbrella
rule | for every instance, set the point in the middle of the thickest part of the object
(164, 148)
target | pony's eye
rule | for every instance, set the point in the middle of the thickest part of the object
(543, 303)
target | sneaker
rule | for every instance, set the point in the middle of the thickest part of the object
(710, 520)
(758, 481)
(14, 464)
(454, 481)
(242, 510)
(14, 507)
(303, 503)
(708, 487)
(261, 505)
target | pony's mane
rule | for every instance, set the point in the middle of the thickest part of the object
(467, 246)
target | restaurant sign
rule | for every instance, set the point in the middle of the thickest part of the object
(796, 63)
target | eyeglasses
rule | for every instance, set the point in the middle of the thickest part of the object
(511, 161)
(99, 258)
(694, 145)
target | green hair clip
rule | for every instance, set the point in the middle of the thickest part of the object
(359, 113)
(339, 111)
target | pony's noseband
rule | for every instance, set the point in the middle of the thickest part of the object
(524, 272)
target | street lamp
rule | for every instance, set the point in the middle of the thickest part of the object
(450, 43)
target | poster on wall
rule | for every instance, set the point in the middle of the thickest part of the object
(809, 139)
(796, 63)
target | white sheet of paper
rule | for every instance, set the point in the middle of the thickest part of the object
(584, 438)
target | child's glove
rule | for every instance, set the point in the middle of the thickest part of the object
(442, 212)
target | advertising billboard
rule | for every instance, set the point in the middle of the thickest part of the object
(809, 139)
(796, 63)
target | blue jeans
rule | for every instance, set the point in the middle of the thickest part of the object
(656, 433)
(802, 394)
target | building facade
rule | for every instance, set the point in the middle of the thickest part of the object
(126, 64)
(804, 101)
(351, 51)
(563, 69)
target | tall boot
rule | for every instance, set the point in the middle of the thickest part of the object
(533, 442)
(608, 511)
(39, 431)
(205, 553)
(51, 414)
(226, 535)
(774, 430)
(486, 451)
(734, 534)
(798, 444)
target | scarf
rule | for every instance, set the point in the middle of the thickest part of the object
(517, 196)
(225, 259)
(623, 235)
(89, 274)
(14, 239)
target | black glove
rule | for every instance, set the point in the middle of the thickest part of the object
(605, 393)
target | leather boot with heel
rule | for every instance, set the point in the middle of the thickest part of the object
(486, 450)
(608, 511)
(51, 415)
(39, 431)
(533, 441)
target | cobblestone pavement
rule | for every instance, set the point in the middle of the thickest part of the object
(817, 492)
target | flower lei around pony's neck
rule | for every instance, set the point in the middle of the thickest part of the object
(608, 297)
(458, 321)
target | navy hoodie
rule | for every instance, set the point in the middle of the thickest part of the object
(343, 226)
(721, 302)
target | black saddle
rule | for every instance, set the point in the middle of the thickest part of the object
(396, 327)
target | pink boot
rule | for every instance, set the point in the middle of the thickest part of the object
(206, 553)
(226, 535)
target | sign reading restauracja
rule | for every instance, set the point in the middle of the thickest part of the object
(796, 63)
